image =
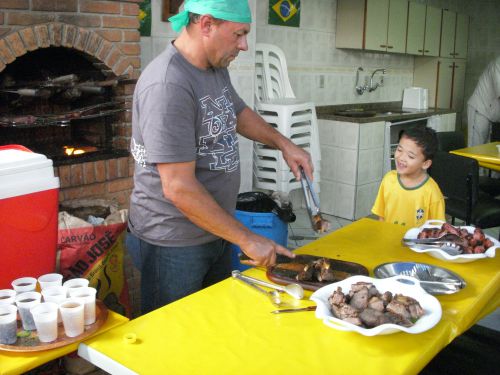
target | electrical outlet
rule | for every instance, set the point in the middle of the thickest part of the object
(321, 81)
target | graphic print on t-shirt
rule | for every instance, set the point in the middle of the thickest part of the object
(218, 135)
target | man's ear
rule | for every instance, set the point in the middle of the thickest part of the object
(427, 164)
(206, 23)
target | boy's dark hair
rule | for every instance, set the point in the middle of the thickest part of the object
(423, 136)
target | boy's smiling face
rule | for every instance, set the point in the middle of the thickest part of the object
(410, 160)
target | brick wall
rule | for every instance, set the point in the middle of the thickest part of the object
(107, 31)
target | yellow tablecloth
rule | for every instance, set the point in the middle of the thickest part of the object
(18, 363)
(487, 155)
(228, 328)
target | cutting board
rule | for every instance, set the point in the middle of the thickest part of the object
(285, 271)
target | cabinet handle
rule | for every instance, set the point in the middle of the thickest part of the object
(419, 50)
(457, 66)
(383, 46)
(390, 46)
(456, 54)
(450, 66)
(426, 50)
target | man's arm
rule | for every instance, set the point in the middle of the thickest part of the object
(251, 125)
(183, 189)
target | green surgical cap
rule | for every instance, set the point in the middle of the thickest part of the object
(228, 10)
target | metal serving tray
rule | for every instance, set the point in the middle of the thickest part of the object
(433, 279)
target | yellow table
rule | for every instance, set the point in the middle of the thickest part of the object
(228, 328)
(487, 155)
(18, 363)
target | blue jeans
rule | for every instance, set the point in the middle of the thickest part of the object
(171, 273)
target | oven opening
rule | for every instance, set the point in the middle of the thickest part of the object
(62, 103)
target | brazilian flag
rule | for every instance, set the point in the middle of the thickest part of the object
(284, 12)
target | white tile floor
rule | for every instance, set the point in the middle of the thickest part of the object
(301, 233)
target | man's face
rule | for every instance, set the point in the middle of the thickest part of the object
(226, 40)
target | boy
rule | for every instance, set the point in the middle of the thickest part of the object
(408, 195)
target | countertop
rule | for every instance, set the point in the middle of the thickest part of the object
(384, 111)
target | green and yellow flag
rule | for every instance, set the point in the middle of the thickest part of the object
(284, 12)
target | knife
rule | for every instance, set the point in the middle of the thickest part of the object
(309, 308)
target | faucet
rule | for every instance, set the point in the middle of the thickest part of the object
(360, 89)
(373, 87)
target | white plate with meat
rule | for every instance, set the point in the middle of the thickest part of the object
(393, 306)
(478, 245)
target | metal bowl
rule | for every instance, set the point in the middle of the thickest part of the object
(434, 280)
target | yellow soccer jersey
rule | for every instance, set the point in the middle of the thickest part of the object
(410, 207)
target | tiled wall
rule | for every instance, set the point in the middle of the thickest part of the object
(312, 56)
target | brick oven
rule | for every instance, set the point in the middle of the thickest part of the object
(67, 74)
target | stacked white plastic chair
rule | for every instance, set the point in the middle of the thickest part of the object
(295, 119)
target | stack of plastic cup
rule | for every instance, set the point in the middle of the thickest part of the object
(24, 302)
(45, 318)
(7, 297)
(72, 316)
(73, 284)
(24, 284)
(8, 324)
(87, 297)
(50, 279)
(56, 294)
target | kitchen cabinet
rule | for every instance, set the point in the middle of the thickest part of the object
(378, 25)
(424, 28)
(352, 157)
(444, 78)
(454, 35)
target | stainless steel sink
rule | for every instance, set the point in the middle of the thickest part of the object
(393, 112)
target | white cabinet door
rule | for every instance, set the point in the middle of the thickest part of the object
(416, 29)
(377, 20)
(432, 31)
(396, 30)
(444, 84)
(458, 85)
(461, 36)
(448, 34)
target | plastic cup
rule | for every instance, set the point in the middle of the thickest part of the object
(50, 279)
(72, 316)
(8, 324)
(24, 284)
(87, 297)
(24, 302)
(56, 294)
(73, 284)
(7, 296)
(45, 317)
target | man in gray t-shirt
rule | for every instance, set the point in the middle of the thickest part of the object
(187, 170)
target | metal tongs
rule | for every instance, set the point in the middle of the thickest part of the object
(318, 224)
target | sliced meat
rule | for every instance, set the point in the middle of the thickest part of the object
(337, 297)
(347, 311)
(387, 297)
(416, 311)
(398, 308)
(359, 300)
(372, 318)
(359, 285)
(306, 274)
(376, 303)
(398, 319)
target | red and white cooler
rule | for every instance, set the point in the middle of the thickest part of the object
(28, 214)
